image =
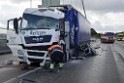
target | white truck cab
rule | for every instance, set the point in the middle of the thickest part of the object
(34, 33)
(39, 28)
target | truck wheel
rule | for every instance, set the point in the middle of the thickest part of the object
(24, 65)
(46, 66)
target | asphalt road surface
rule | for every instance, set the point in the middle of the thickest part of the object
(106, 67)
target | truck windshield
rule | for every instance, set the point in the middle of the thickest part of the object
(38, 22)
(110, 34)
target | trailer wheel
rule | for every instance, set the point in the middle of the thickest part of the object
(66, 57)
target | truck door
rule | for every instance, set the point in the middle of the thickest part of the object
(13, 37)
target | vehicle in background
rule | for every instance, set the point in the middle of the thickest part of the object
(108, 37)
(123, 39)
(120, 36)
(39, 28)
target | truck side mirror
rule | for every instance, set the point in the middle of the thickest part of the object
(15, 23)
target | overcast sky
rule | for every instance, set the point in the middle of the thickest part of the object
(104, 15)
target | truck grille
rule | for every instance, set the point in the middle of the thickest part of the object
(35, 60)
(35, 54)
(37, 39)
(43, 48)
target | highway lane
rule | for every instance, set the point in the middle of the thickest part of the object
(120, 47)
(103, 68)
(106, 67)
(119, 59)
(8, 72)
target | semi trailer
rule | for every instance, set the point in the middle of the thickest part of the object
(39, 28)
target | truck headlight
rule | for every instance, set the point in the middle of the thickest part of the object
(20, 52)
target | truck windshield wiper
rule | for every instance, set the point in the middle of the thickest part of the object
(34, 28)
(28, 28)
(43, 28)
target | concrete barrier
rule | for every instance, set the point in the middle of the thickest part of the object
(3, 44)
(4, 49)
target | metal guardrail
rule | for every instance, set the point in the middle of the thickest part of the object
(3, 46)
(3, 42)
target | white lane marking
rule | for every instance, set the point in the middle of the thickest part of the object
(120, 50)
(120, 65)
(8, 81)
